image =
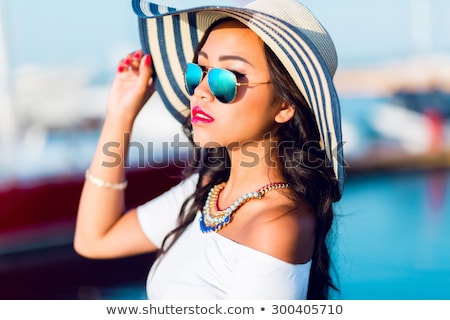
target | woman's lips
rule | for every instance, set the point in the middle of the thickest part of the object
(199, 116)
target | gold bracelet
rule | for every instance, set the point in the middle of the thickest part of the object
(105, 184)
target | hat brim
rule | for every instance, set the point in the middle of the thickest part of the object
(171, 37)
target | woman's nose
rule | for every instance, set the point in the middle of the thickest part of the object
(202, 91)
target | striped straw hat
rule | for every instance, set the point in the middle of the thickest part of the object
(291, 31)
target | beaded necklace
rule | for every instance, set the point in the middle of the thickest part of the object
(214, 219)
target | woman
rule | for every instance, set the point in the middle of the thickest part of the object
(251, 218)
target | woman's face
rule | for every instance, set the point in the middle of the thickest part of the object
(251, 115)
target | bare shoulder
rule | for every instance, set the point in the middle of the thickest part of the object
(284, 229)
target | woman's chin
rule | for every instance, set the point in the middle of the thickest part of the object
(205, 141)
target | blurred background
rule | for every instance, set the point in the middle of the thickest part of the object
(392, 233)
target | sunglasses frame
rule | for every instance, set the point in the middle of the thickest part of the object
(206, 72)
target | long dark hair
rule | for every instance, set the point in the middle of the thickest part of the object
(304, 166)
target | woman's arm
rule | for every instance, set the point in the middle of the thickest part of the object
(102, 230)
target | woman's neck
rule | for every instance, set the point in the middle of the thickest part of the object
(253, 165)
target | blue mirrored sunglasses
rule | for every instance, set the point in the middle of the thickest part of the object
(222, 82)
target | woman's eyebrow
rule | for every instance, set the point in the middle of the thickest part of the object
(227, 57)
(233, 57)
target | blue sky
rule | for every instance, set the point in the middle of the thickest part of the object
(95, 34)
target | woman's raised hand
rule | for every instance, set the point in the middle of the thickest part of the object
(132, 85)
(102, 230)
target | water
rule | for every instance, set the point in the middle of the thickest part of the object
(393, 237)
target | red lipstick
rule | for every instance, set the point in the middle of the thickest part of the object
(199, 116)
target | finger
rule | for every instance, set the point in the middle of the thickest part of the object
(121, 67)
(124, 64)
(135, 59)
(131, 61)
(137, 54)
(145, 70)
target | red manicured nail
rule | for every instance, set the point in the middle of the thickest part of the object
(148, 60)
(120, 69)
(137, 55)
(127, 62)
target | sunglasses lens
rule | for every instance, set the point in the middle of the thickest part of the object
(193, 75)
(222, 84)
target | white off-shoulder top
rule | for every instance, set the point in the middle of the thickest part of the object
(209, 265)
